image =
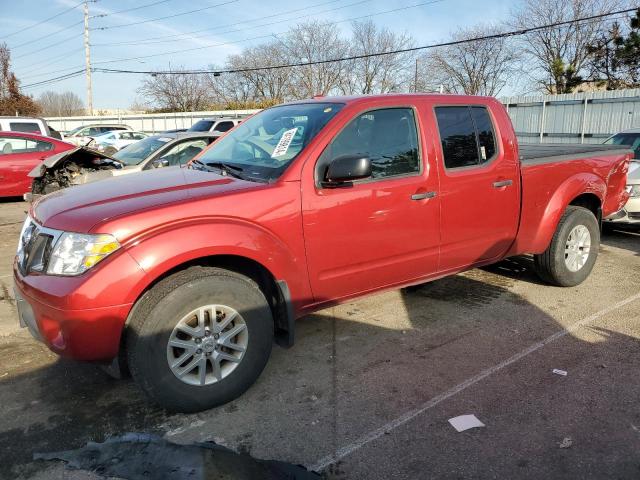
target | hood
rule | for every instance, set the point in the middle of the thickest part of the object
(54, 160)
(80, 208)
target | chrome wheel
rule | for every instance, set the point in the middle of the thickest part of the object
(207, 344)
(577, 248)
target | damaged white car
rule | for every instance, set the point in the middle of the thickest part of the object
(84, 165)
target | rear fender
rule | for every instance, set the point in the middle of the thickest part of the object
(538, 240)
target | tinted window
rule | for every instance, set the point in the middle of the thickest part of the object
(388, 137)
(24, 127)
(486, 137)
(201, 126)
(458, 136)
(467, 135)
(223, 126)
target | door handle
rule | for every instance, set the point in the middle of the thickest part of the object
(503, 183)
(423, 196)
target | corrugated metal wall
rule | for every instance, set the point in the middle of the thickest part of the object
(148, 122)
(570, 118)
(588, 117)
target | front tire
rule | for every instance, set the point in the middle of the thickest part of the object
(573, 250)
(199, 338)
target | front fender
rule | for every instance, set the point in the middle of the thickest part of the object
(540, 220)
(169, 248)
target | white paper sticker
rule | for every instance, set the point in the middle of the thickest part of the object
(465, 422)
(483, 151)
(283, 144)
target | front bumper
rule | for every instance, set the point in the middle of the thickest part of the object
(629, 215)
(91, 334)
(80, 317)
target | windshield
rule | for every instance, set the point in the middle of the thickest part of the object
(263, 146)
(136, 152)
(201, 126)
(74, 131)
(631, 139)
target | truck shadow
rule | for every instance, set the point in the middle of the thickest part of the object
(372, 359)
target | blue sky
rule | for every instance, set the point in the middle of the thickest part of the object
(40, 53)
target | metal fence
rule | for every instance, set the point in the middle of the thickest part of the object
(147, 122)
(588, 117)
(570, 118)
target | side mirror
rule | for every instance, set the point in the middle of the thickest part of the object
(345, 169)
(160, 162)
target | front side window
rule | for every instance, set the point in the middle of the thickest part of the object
(262, 147)
(184, 151)
(388, 137)
(467, 135)
(24, 127)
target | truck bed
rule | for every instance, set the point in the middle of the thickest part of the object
(533, 153)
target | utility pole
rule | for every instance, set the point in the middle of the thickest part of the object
(415, 77)
(87, 58)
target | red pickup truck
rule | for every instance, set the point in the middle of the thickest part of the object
(187, 275)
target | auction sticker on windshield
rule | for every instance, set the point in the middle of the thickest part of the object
(283, 144)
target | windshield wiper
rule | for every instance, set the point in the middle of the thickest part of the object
(232, 170)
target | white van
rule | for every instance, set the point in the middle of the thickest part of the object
(29, 125)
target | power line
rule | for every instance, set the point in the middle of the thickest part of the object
(45, 20)
(185, 34)
(130, 9)
(49, 61)
(512, 33)
(55, 79)
(282, 21)
(165, 17)
(48, 36)
(184, 50)
(39, 50)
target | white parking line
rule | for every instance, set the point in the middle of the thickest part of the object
(410, 415)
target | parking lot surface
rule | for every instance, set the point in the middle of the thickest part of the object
(368, 388)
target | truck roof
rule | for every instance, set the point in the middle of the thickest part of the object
(347, 99)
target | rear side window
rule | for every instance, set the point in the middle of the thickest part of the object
(223, 126)
(467, 135)
(24, 127)
(201, 126)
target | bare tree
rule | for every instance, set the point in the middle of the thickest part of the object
(12, 101)
(376, 74)
(55, 104)
(176, 91)
(559, 55)
(480, 67)
(311, 42)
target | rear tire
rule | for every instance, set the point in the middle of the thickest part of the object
(158, 323)
(573, 250)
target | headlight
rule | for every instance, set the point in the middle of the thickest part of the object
(75, 253)
(633, 190)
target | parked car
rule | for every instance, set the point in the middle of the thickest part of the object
(29, 125)
(175, 130)
(220, 125)
(110, 142)
(630, 213)
(85, 165)
(81, 136)
(20, 152)
(191, 273)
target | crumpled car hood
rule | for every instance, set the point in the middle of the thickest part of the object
(53, 160)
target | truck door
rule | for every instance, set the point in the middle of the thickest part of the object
(378, 231)
(479, 187)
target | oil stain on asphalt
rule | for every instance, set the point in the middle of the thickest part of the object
(141, 456)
